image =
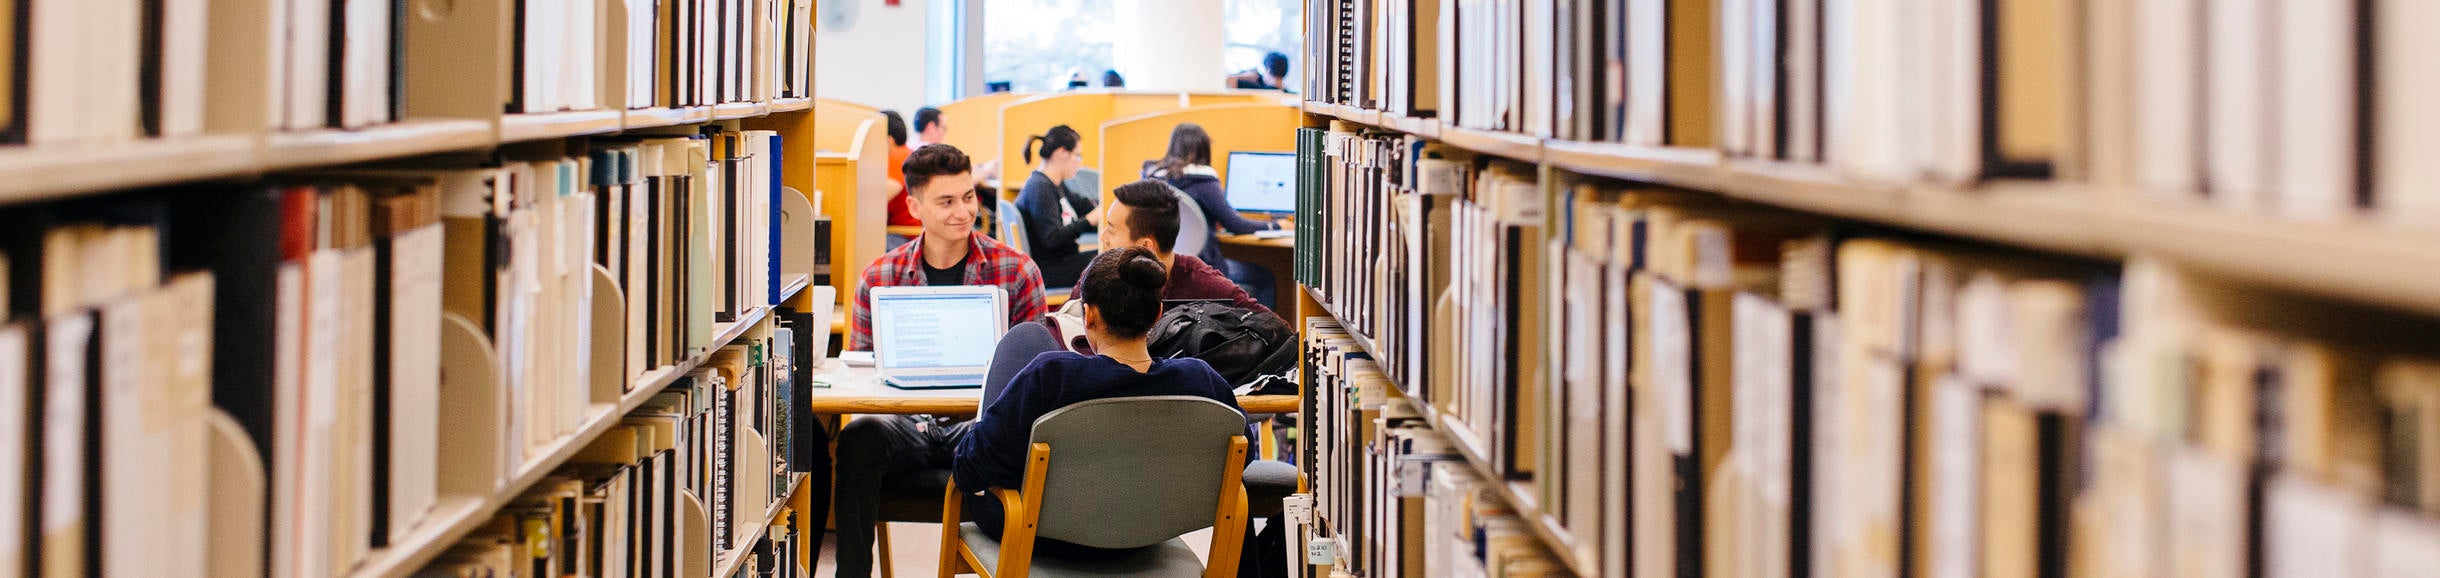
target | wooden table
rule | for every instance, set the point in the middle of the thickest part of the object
(1278, 255)
(841, 389)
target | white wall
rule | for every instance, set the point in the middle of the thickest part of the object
(877, 62)
(1169, 44)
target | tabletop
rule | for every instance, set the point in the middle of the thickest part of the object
(840, 388)
(1255, 241)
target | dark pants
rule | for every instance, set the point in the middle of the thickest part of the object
(871, 449)
(1257, 281)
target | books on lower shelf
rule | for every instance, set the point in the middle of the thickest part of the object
(694, 478)
(1392, 490)
(1668, 382)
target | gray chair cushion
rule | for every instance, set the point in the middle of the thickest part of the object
(1171, 558)
(1266, 482)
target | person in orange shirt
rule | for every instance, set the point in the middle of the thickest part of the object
(899, 217)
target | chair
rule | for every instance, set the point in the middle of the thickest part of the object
(1194, 229)
(1012, 234)
(1130, 472)
(1012, 225)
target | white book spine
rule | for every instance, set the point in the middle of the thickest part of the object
(308, 64)
(2237, 67)
(2406, 184)
(184, 47)
(415, 326)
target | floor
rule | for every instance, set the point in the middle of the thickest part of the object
(915, 550)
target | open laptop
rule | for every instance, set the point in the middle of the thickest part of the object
(936, 337)
(1262, 182)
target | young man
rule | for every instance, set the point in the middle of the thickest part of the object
(873, 448)
(1146, 215)
(941, 194)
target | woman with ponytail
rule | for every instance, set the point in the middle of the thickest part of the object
(1054, 215)
(1122, 299)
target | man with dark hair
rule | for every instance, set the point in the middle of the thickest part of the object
(1146, 215)
(1111, 79)
(1273, 74)
(928, 128)
(940, 185)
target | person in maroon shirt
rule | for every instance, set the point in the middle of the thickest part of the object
(1145, 215)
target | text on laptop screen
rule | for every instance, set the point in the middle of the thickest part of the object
(935, 330)
(1262, 182)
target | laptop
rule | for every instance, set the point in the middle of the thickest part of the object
(936, 337)
(1262, 182)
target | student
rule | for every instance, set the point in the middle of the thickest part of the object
(872, 448)
(1188, 167)
(899, 217)
(1144, 215)
(1111, 79)
(1055, 216)
(1126, 286)
(928, 128)
(1272, 76)
(931, 130)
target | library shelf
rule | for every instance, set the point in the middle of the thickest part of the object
(305, 149)
(550, 125)
(39, 172)
(735, 559)
(453, 517)
(653, 117)
(791, 104)
(739, 110)
(1555, 538)
(2356, 258)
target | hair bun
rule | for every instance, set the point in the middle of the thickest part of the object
(1144, 271)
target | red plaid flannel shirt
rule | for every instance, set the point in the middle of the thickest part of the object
(990, 263)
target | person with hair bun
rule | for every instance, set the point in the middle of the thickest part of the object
(1056, 216)
(1122, 300)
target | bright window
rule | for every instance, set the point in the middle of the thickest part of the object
(1035, 44)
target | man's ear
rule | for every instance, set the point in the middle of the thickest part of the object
(1092, 317)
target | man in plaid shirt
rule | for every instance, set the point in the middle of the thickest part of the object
(940, 186)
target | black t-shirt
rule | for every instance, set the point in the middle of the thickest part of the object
(954, 275)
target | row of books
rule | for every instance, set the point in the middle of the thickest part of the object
(323, 312)
(2303, 110)
(104, 71)
(680, 486)
(1681, 383)
(1392, 495)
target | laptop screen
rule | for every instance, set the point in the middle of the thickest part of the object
(1262, 182)
(928, 330)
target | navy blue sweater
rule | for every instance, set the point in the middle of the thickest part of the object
(1205, 189)
(993, 452)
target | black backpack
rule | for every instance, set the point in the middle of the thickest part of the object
(1241, 344)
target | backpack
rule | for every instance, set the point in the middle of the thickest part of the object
(1241, 344)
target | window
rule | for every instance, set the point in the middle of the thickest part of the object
(1035, 44)
(1259, 27)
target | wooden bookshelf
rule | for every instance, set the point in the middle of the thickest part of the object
(1520, 499)
(654, 117)
(735, 559)
(736, 110)
(317, 148)
(454, 517)
(2353, 260)
(51, 172)
(527, 127)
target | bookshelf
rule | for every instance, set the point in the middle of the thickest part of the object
(1876, 287)
(452, 521)
(1543, 524)
(2370, 264)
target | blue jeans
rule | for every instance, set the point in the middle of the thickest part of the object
(1257, 281)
